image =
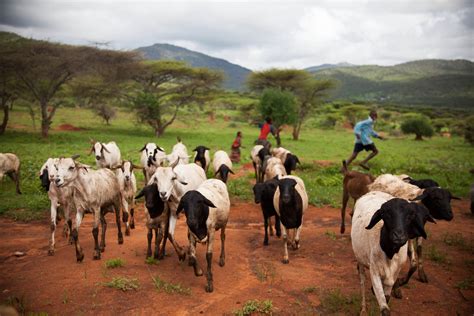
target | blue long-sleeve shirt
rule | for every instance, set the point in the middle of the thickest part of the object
(364, 130)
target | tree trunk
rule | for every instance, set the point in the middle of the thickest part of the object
(45, 122)
(159, 131)
(418, 137)
(278, 139)
(296, 131)
(6, 112)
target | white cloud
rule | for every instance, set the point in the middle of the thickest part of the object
(260, 34)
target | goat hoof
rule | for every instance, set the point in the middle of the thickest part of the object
(71, 240)
(97, 255)
(120, 239)
(127, 232)
(102, 248)
(385, 312)
(278, 234)
(265, 242)
(132, 225)
(80, 257)
(51, 252)
(343, 229)
(209, 288)
(182, 256)
(397, 293)
(285, 261)
(422, 276)
(222, 262)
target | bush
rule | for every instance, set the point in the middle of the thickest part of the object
(420, 126)
(106, 112)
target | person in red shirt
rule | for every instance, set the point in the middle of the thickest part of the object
(235, 148)
(266, 129)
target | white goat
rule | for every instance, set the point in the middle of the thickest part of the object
(290, 202)
(273, 167)
(59, 196)
(179, 153)
(128, 186)
(381, 227)
(97, 191)
(152, 157)
(173, 182)
(258, 154)
(10, 165)
(222, 165)
(207, 210)
(395, 186)
(106, 155)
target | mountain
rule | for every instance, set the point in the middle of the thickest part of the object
(424, 82)
(328, 66)
(235, 75)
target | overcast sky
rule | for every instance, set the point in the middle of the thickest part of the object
(259, 34)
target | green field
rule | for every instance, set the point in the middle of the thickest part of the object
(447, 160)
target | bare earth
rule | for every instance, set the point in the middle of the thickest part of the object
(325, 262)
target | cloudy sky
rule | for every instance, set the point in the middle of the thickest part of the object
(259, 34)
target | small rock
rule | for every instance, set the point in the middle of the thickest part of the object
(19, 253)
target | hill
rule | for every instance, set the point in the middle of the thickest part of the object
(423, 82)
(328, 66)
(235, 74)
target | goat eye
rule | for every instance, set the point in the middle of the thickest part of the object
(174, 178)
(71, 168)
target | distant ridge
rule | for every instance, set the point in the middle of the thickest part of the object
(435, 82)
(235, 75)
(328, 66)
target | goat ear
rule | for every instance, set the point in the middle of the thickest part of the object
(116, 167)
(174, 164)
(420, 197)
(208, 203)
(230, 170)
(206, 148)
(160, 149)
(297, 160)
(105, 148)
(143, 148)
(74, 157)
(195, 149)
(453, 197)
(430, 218)
(140, 194)
(136, 167)
(91, 150)
(375, 218)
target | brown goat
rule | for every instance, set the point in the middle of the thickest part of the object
(354, 185)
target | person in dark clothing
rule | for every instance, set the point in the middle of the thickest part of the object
(235, 148)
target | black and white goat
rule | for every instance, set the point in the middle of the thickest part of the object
(288, 159)
(422, 183)
(207, 211)
(106, 155)
(382, 246)
(202, 157)
(157, 219)
(222, 165)
(290, 202)
(258, 155)
(264, 193)
(152, 157)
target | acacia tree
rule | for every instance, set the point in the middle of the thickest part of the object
(44, 69)
(308, 90)
(280, 106)
(8, 90)
(163, 87)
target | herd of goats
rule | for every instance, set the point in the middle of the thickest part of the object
(388, 218)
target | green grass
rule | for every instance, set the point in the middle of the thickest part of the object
(265, 271)
(321, 152)
(124, 284)
(466, 284)
(169, 287)
(457, 240)
(333, 301)
(252, 307)
(331, 235)
(436, 255)
(310, 289)
(114, 263)
(152, 261)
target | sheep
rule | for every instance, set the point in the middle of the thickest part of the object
(10, 166)
(264, 193)
(290, 202)
(179, 153)
(436, 200)
(354, 185)
(106, 155)
(222, 165)
(95, 190)
(288, 159)
(422, 183)
(128, 186)
(258, 154)
(207, 211)
(382, 246)
(157, 219)
(58, 197)
(173, 182)
(202, 157)
(272, 167)
(152, 156)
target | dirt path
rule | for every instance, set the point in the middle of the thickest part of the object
(320, 279)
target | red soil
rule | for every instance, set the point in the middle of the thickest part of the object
(59, 285)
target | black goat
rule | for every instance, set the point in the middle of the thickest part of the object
(264, 193)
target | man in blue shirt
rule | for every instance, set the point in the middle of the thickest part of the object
(362, 131)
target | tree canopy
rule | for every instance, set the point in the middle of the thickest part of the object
(420, 126)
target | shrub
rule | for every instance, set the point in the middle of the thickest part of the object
(106, 112)
(420, 126)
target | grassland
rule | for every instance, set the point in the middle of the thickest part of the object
(447, 160)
